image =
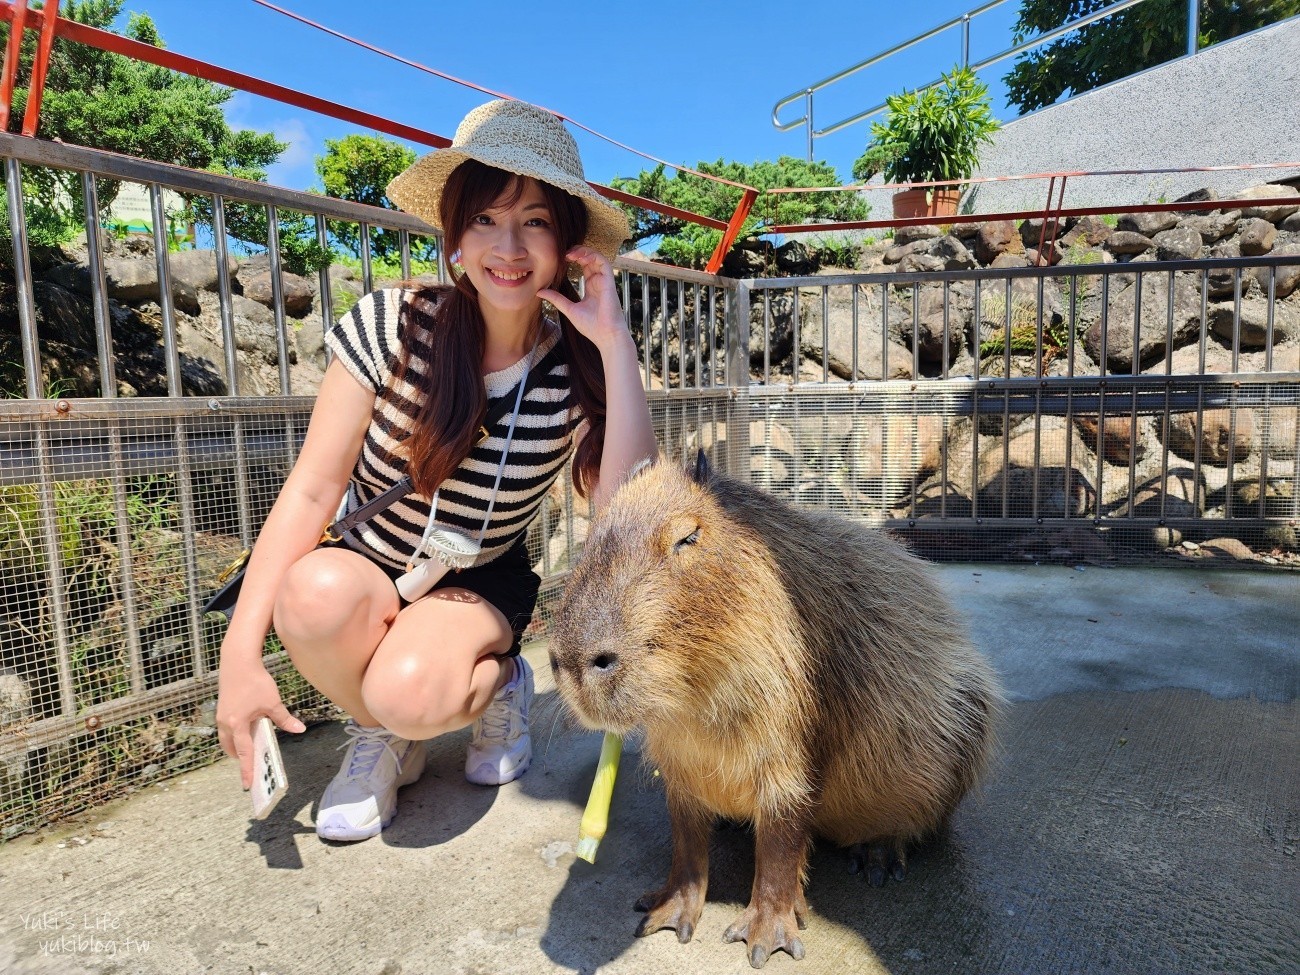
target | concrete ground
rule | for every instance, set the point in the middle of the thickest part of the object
(1143, 818)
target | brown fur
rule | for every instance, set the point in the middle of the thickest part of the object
(788, 667)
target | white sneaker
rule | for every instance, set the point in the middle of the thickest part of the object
(500, 747)
(362, 798)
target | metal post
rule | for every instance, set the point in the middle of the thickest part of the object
(23, 279)
(171, 348)
(738, 377)
(1193, 26)
(99, 294)
(965, 39)
(808, 120)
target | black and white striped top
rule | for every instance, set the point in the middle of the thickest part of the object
(366, 340)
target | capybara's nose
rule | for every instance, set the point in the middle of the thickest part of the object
(602, 664)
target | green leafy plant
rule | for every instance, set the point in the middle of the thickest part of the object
(690, 245)
(932, 134)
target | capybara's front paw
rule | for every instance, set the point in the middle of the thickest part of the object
(766, 930)
(673, 907)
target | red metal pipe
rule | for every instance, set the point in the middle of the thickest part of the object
(733, 229)
(107, 41)
(40, 65)
(1042, 229)
(9, 72)
(1056, 220)
(631, 199)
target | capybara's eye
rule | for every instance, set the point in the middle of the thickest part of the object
(690, 539)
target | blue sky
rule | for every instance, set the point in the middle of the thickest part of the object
(683, 80)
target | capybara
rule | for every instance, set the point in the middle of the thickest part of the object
(789, 668)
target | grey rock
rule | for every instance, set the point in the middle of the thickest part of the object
(1010, 260)
(254, 279)
(63, 315)
(1178, 244)
(1088, 232)
(1157, 324)
(1031, 231)
(1147, 224)
(1252, 328)
(1222, 281)
(1127, 242)
(953, 253)
(794, 258)
(1270, 191)
(1203, 195)
(995, 238)
(198, 268)
(922, 262)
(1291, 224)
(1213, 226)
(1286, 277)
(909, 235)
(896, 253)
(1257, 236)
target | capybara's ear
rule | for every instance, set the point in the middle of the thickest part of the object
(703, 469)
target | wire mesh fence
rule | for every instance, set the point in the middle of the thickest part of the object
(155, 400)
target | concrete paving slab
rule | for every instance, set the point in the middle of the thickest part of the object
(1143, 818)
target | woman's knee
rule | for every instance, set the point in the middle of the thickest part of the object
(415, 699)
(320, 595)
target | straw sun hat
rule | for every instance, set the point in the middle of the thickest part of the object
(519, 138)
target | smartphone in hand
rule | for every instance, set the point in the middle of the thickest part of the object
(269, 780)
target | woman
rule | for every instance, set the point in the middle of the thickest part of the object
(405, 393)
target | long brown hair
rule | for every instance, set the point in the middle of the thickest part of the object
(444, 328)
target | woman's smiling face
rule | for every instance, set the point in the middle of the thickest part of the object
(509, 251)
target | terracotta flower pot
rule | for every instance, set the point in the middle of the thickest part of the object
(912, 203)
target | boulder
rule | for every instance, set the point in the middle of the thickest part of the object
(887, 454)
(996, 238)
(254, 277)
(1270, 191)
(1203, 195)
(1222, 281)
(1061, 491)
(198, 268)
(1157, 324)
(1214, 226)
(1256, 237)
(1220, 433)
(1286, 277)
(1127, 242)
(795, 259)
(909, 235)
(1147, 224)
(952, 252)
(1088, 232)
(1252, 327)
(1178, 244)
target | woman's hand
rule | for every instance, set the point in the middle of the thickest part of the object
(244, 694)
(598, 316)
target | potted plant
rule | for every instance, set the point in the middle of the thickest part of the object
(930, 135)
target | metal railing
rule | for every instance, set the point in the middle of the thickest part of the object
(964, 22)
(1091, 409)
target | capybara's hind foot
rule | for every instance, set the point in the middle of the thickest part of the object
(677, 908)
(878, 860)
(766, 931)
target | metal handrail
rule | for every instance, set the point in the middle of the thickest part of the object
(965, 20)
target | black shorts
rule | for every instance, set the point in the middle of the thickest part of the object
(508, 582)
